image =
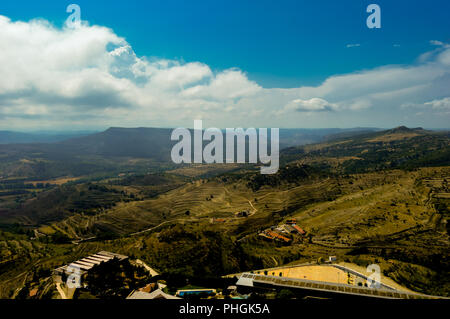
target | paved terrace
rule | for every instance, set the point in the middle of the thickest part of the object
(252, 280)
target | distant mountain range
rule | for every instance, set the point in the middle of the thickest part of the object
(288, 137)
(11, 137)
(141, 149)
(116, 142)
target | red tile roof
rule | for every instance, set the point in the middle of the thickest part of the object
(33, 292)
(276, 235)
(301, 231)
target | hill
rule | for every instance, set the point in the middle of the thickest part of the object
(392, 208)
(397, 148)
(11, 137)
(151, 143)
(108, 152)
(111, 152)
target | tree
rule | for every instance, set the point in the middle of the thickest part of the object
(285, 294)
(24, 293)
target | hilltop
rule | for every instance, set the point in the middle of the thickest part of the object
(397, 148)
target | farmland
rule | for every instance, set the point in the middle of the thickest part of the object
(196, 221)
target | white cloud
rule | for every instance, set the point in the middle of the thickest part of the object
(230, 84)
(353, 45)
(436, 42)
(437, 107)
(311, 105)
(443, 104)
(90, 77)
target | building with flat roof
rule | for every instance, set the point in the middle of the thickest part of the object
(248, 282)
(82, 266)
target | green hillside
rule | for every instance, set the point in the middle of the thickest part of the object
(379, 197)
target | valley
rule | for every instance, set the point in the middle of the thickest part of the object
(369, 197)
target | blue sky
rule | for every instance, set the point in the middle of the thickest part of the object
(274, 45)
(278, 43)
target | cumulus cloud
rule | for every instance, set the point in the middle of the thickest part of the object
(353, 45)
(91, 77)
(230, 84)
(311, 105)
(93, 71)
(437, 107)
(443, 104)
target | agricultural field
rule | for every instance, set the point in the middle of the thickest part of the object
(204, 222)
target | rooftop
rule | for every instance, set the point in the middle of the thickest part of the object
(250, 280)
(157, 294)
(85, 264)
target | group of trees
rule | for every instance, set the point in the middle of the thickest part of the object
(115, 279)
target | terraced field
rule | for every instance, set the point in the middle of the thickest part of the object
(200, 200)
(379, 210)
(364, 200)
